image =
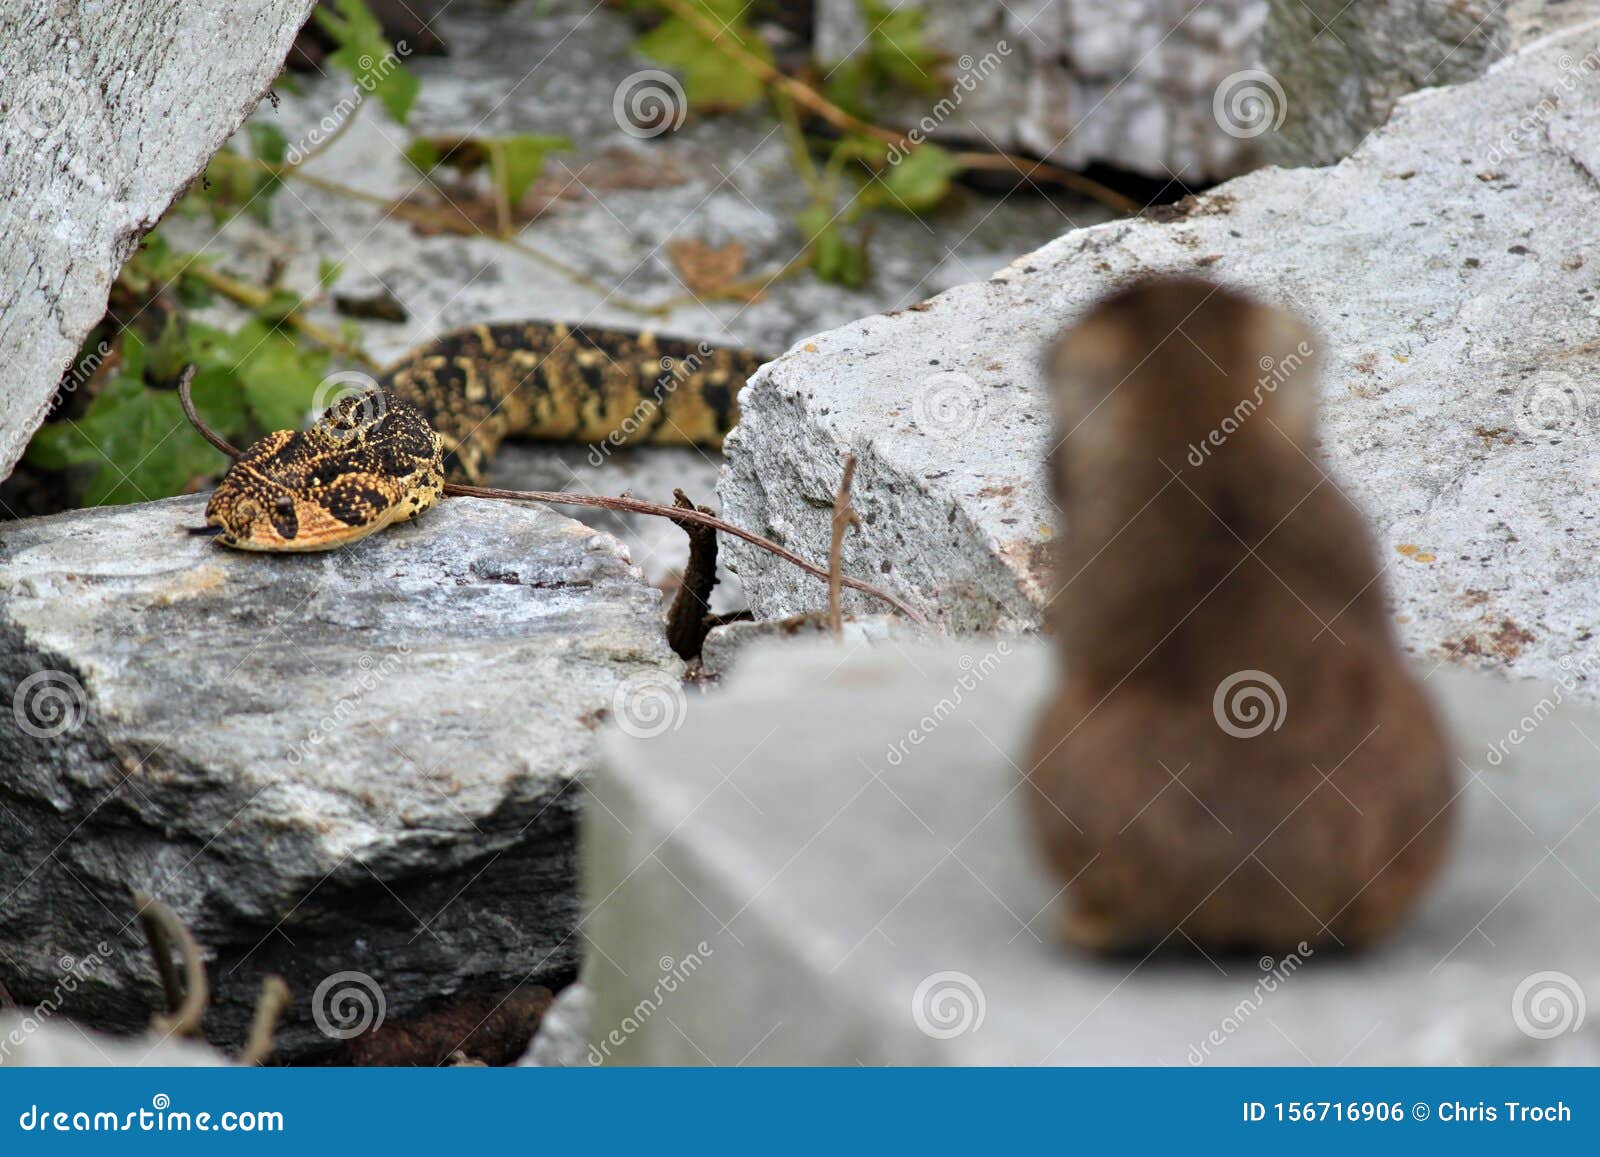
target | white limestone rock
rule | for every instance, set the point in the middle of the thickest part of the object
(1449, 266)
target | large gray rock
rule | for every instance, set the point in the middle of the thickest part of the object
(1449, 267)
(864, 890)
(355, 769)
(107, 111)
(1172, 88)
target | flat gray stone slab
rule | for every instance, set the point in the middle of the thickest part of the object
(1450, 267)
(826, 863)
(356, 761)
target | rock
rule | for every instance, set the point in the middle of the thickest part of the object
(563, 1037)
(30, 1041)
(355, 769)
(1171, 89)
(615, 204)
(725, 645)
(108, 115)
(866, 891)
(1448, 265)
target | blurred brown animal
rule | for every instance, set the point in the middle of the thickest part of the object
(1238, 754)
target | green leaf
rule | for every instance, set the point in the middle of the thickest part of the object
(365, 53)
(150, 450)
(423, 155)
(138, 439)
(711, 80)
(920, 181)
(280, 381)
(517, 161)
(834, 258)
(328, 272)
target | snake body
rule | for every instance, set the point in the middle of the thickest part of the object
(382, 455)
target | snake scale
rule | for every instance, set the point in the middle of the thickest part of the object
(383, 455)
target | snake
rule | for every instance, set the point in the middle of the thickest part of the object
(381, 454)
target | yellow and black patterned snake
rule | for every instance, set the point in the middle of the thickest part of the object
(439, 413)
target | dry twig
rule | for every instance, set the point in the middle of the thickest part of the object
(844, 517)
(274, 999)
(186, 1004)
(679, 515)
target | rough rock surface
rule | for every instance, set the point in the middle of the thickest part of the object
(725, 646)
(107, 111)
(1449, 265)
(1163, 87)
(356, 762)
(860, 896)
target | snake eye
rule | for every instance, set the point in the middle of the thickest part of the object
(285, 504)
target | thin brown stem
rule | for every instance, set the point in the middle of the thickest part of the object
(561, 498)
(254, 297)
(186, 399)
(274, 999)
(846, 122)
(163, 929)
(636, 506)
(843, 518)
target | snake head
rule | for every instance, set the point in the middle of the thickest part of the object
(368, 461)
(251, 509)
